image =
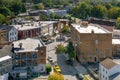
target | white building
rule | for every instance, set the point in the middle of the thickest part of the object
(116, 33)
(12, 32)
(5, 67)
(58, 12)
(109, 69)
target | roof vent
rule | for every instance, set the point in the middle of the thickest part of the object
(92, 31)
(84, 23)
(20, 44)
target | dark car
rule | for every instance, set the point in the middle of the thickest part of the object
(79, 76)
(60, 38)
(69, 61)
(49, 41)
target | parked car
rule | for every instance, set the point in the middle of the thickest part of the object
(69, 61)
(62, 38)
(50, 59)
(57, 68)
(79, 76)
(49, 41)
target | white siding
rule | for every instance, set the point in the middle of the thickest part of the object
(13, 35)
(105, 73)
(50, 29)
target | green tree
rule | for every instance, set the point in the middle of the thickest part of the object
(56, 76)
(118, 22)
(42, 17)
(82, 10)
(23, 8)
(66, 29)
(108, 5)
(70, 50)
(48, 68)
(114, 12)
(39, 6)
(99, 11)
(17, 7)
(61, 49)
(52, 15)
(5, 11)
(2, 19)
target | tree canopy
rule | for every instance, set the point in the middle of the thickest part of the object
(39, 6)
(97, 9)
(56, 76)
(2, 18)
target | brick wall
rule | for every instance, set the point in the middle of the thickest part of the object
(42, 55)
(92, 47)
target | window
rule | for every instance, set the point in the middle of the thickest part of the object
(41, 52)
(103, 69)
(96, 41)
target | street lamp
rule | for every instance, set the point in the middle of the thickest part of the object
(74, 44)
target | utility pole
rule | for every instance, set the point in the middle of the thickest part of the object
(74, 53)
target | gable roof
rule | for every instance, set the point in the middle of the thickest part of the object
(6, 27)
(108, 63)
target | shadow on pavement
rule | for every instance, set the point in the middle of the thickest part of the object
(66, 69)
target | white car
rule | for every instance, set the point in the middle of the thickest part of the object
(50, 58)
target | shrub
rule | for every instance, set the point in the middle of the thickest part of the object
(61, 49)
(48, 68)
(56, 76)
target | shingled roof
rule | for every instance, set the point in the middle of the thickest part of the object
(5, 27)
(108, 63)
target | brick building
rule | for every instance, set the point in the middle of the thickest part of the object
(29, 57)
(94, 43)
(3, 37)
(35, 29)
(27, 30)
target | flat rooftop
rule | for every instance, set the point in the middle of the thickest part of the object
(33, 25)
(115, 41)
(5, 58)
(28, 45)
(90, 28)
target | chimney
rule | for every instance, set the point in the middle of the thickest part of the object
(84, 23)
(92, 31)
(22, 25)
(38, 45)
(20, 44)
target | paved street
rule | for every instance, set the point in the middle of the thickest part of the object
(67, 70)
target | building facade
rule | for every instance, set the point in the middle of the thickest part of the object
(13, 34)
(94, 43)
(109, 69)
(8, 33)
(116, 48)
(5, 67)
(3, 38)
(29, 58)
(35, 29)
